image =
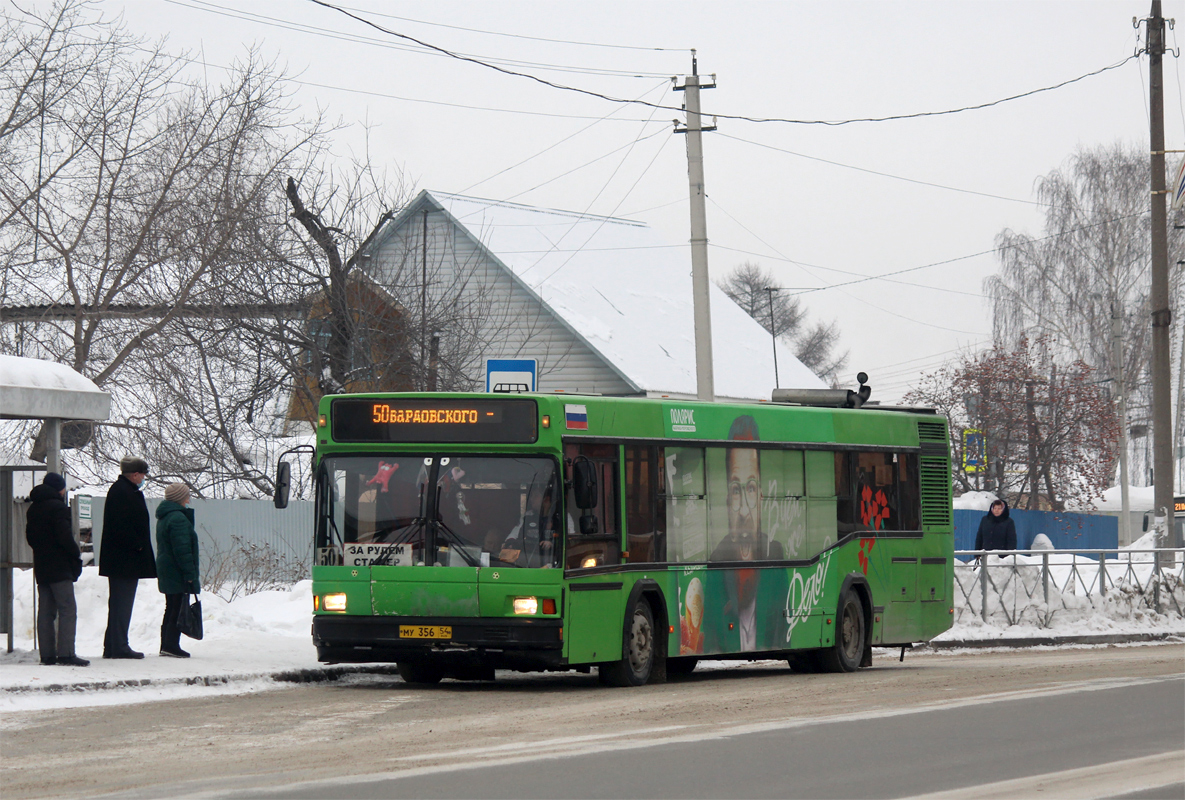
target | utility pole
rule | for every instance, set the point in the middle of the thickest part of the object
(773, 334)
(1125, 524)
(424, 298)
(1162, 441)
(704, 381)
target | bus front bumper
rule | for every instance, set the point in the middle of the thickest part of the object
(500, 642)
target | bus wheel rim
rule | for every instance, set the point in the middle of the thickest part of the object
(639, 644)
(850, 633)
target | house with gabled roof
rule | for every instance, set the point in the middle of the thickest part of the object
(603, 304)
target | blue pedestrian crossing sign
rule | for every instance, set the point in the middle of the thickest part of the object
(974, 452)
(511, 374)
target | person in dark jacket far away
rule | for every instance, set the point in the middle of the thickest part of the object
(177, 573)
(125, 554)
(996, 530)
(57, 563)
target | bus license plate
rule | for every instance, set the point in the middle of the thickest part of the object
(425, 632)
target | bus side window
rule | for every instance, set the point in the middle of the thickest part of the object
(603, 547)
(645, 504)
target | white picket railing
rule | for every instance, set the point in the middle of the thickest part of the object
(1037, 586)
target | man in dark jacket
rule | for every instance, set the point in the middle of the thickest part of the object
(996, 530)
(125, 554)
(57, 563)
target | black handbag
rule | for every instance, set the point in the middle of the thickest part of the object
(189, 622)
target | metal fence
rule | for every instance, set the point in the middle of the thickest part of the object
(1035, 587)
(241, 540)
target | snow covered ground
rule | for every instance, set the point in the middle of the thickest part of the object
(251, 639)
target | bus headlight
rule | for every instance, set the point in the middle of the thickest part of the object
(334, 602)
(526, 605)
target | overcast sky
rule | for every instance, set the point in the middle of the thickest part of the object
(455, 126)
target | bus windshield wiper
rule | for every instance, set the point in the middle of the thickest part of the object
(409, 531)
(458, 543)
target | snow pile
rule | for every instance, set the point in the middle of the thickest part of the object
(36, 373)
(974, 501)
(1140, 498)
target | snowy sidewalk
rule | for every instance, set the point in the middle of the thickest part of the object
(248, 642)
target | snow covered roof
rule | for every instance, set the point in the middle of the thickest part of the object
(31, 388)
(626, 292)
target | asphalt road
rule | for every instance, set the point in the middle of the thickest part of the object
(980, 744)
(1088, 722)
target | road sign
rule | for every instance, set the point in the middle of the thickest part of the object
(511, 374)
(974, 453)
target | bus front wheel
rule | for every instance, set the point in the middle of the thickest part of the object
(416, 672)
(637, 658)
(850, 632)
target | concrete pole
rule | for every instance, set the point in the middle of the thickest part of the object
(704, 378)
(53, 445)
(1125, 522)
(1162, 421)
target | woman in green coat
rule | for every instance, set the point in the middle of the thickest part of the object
(177, 573)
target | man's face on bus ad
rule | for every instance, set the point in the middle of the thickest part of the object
(744, 499)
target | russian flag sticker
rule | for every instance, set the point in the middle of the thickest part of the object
(576, 417)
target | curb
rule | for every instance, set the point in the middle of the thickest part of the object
(1053, 641)
(304, 675)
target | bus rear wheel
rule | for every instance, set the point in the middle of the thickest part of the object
(850, 632)
(417, 672)
(637, 658)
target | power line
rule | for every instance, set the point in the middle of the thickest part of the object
(549, 148)
(386, 96)
(741, 117)
(234, 13)
(881, 174)
(972, 255)
(520, 35)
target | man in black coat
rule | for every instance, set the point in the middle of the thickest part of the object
(125, 553)
(996, 530)
(57, 563)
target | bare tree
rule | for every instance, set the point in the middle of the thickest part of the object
(1092, 261)
(749, 287)
(1050, 431)
(157, 204)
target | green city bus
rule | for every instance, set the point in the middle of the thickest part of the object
(458, 533)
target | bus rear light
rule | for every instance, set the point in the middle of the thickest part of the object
(526, 605)
(548, 605)
(334, 602)
(316, 602)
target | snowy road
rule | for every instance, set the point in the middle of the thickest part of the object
(743, 731)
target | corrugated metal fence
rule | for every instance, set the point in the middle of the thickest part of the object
(240, 539)
(1066, 530)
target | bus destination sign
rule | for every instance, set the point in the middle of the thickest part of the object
(511, 421)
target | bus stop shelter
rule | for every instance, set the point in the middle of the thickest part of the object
(31, 388)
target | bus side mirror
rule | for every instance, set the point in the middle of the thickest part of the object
(584, 483)
(283, 484)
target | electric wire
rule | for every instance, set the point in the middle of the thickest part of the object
(639, 140)
(849, 294)
(549, 148)
(740, 117)
(657, 152)
(387, 96)
(264, 19)
(520, 35)
(878, 172)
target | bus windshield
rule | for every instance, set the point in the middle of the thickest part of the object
(439, 510)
